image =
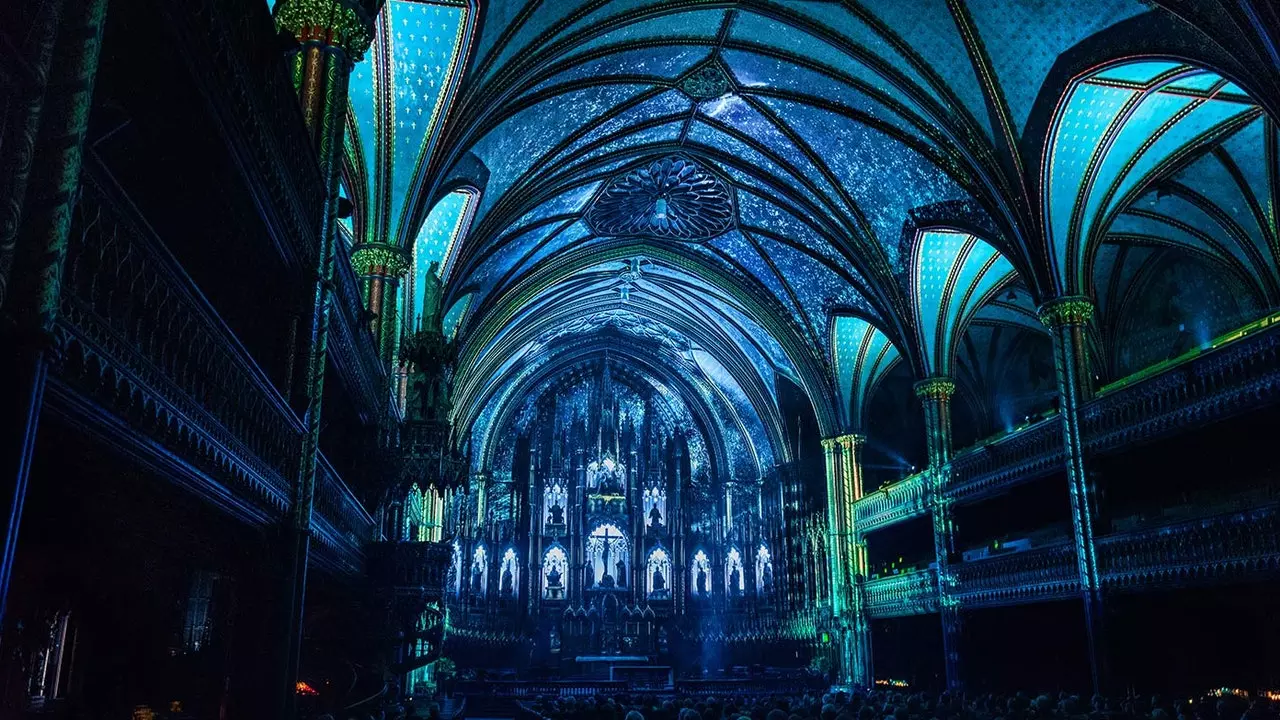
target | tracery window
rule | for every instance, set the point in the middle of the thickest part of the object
(734, 582)
(658, 575)
(479, 575)
(555, 569)
(655, 507)
(555, 503)
(764, 571)
(700, 575)
(509, 575)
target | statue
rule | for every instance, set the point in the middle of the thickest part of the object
(659, 582)
(655, 517)
(622, 572)
(431, 292)
(701, 584)
(768, 577)
(507, 583)
(477, 579)
(735, 580)
(589, 575)
(553, 578)
(556, 515)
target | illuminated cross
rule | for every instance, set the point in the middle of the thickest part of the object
(605, 538)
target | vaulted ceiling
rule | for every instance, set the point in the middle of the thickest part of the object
(810, 192)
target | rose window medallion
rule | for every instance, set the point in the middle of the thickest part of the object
(672, 198)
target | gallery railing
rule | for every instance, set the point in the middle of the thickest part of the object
(994, 465)
(891, 503)
(147, 361)
(1239, 373)
(912, 593)
(1241, 544)
(1044, 573)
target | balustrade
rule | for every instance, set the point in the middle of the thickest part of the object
(1045, 573)
(1234, 544)
(913, 593)
(1214, 384)
(892, 503)
(1020, 455)
(142, 344)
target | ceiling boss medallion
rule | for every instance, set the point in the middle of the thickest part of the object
(670, 198)
(706, 81)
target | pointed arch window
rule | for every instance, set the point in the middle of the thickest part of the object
(700, 575)
(657, 576)
(555, 570)
(764, 571)
(734, 582)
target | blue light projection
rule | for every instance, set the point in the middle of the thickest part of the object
(436, 240)
(1115, 131)
(862, 356)
(1220, 206)
(952, 275)
(397, 98)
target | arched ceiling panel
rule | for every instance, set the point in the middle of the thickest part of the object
(1115, 132)
(862, 356)
(1025, 39)
(953, 274)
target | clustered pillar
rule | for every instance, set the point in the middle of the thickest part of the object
(935, 395)
(381, 268)
(333, 36)
(844, 488)
(1067, 319)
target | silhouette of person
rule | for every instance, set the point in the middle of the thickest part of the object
(655, 517)
(659, 582)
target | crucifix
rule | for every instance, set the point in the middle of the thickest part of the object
(606, 539)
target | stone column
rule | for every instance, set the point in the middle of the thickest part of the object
(935, 395)
(844, 488)
(380, 269)
(1067, 318)
(31, 304)
(333, 36)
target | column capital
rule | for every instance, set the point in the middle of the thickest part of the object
(380, 259)
(850, 440)
(344, 24)
(829, 444)
(935, 388)
(1068, 310)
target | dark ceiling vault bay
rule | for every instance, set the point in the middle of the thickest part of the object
(368, 354)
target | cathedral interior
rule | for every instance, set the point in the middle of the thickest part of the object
(500, 358)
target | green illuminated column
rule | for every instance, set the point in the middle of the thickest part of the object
(1067, 318)
(935, 396)
(844, 488)
(333, 36)
(39, 244)
(380, 268)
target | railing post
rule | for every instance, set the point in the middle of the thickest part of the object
(31, 305)
(1067, 319)
(333, 36)
(935, 395)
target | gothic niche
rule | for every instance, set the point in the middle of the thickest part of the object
(671, 198)
(606, 494)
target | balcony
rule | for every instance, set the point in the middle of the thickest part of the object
(890, 504)
(1046, 573)
(149, 366)
(1235, 374)
(1241, 544)
(913, 593)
